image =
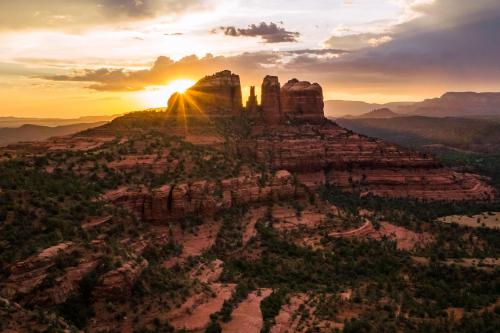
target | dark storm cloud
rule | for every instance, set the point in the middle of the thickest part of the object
(26, 14)
(269, 32)
(452, 38)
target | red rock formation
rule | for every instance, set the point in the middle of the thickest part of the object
(252, 103)
(28, 274)
(302, 100)
(329, 153)
(204, 197)
(214, 95)
(271, 105)
(119, 282)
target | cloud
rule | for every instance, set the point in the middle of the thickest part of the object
(450, 39)
(165, 69)
(357, 41)
(55, 14)
(327, 51)
(452, 43)
(269, 32)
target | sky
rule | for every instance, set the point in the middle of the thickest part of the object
(67, 59)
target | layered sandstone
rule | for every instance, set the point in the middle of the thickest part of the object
(119, 282)
(204, 197)
(302, 101)
(270, 104)
(327, 153)
(214, 95)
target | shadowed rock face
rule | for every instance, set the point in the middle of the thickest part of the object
(214, 95)
(271, 106)
(302, 100)
(252, 103)
(204, 197)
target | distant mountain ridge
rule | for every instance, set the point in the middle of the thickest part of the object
(450, 104)
(480, 135)
(457, 104)
(341, 108)
(30, 132)
(378, 113)
(12, 122)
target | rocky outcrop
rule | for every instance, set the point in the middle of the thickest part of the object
(204, 197)
(34, 280)
(67, 284)
(301, 100)
(252, 104)
(214, 95)
(327, 153)
(271, 105)
(119, 282)
(28, 274)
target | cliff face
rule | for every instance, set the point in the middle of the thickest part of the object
(214, 95)
(328, 154)
(296, 100)
(302, 100)
(205, 197)
(271, 105)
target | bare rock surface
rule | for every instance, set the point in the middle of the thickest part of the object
(247, 317)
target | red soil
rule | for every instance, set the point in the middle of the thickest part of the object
(247, 316)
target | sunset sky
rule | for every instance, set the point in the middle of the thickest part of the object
(70, 58)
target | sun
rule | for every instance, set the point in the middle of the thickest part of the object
(157, 96)
(180, 86)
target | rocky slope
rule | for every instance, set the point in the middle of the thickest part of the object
(141, 226)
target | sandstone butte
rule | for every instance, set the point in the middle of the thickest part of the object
(290, 132)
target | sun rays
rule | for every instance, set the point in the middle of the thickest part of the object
(157, 96)
(184, 105)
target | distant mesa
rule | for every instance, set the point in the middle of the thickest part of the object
(382, 113)
(453, 104)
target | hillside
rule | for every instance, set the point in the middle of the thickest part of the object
(480, 135)
(36, 132)
(270, 219)
(450, 104)
(13, 122)
(341, 108)
(380, 113)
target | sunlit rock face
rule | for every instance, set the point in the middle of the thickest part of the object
(302, 100)
(214, 95)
